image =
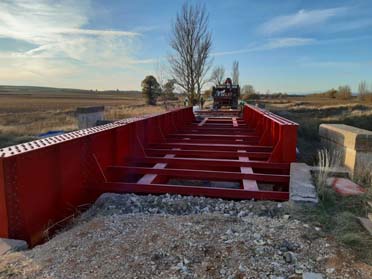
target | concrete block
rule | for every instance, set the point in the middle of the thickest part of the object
(301, 186)
(89, 116)
(349, 136)
(10, 245)
(353, 144)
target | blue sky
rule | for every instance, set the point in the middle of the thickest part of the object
(288, 45)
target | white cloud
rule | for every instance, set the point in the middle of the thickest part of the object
(303, 18)
(288, 42)
(64, 47)
(144, 61)
(270, 45)
(93, 32)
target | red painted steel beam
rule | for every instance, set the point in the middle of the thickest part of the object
(195, 127)
(244, 126)
(118, 171)
(224, 119)
(180, 135)
(235, 122)
(219, 140)
(208, 153)
(220, 111)
(214, 141)
(217, 147)
(215, 162)
(203, 122)
(222, 125)
(148, 177)
(219, 131)
(120, 187)
(248, 184)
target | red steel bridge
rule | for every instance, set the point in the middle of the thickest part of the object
(246, 157)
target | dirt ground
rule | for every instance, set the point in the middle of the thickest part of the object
(129, 236)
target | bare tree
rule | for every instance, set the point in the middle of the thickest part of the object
(191, 42)
(235, 72)
(344, 92)
(218, 75)
(168, 93)
(363, 90)
(161, 73)
(203, 66)
(248, 92)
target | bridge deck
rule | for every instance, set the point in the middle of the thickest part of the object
(192, 157)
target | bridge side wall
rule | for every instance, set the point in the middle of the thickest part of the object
(275, 131)
(45, 181)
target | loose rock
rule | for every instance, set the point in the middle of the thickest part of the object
(179, 237)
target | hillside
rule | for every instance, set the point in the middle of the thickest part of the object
(38, 90)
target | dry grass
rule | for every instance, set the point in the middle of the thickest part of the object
(310, 112)
(327, 160)
(35, 122)
(125, 111)
(22, 116)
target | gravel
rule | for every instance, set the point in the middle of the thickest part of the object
(130, 236)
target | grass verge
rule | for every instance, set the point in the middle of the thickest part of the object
(338, 215)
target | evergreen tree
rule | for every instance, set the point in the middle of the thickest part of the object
(151, 89)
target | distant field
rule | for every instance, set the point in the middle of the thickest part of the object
(28, 111)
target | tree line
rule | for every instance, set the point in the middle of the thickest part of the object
(344, 92)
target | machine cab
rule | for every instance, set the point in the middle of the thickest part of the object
(226, 95)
